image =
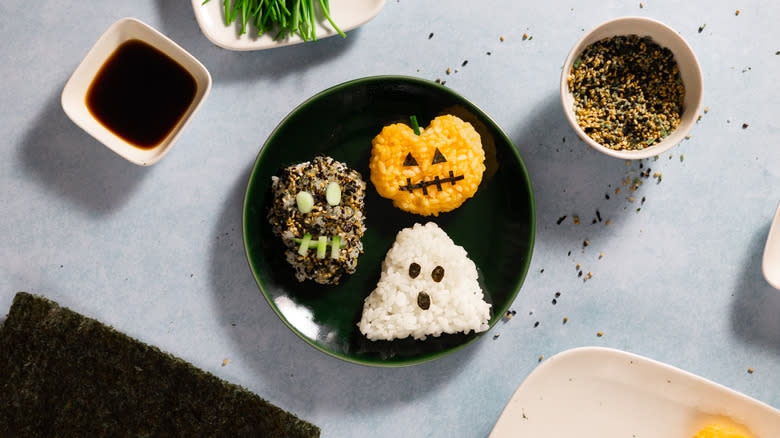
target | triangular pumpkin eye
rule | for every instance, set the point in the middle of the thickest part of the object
(409, 160)
(438, 157)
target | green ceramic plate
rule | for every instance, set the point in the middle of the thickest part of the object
(496, 226)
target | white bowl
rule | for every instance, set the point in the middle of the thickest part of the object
(690, 74)
(74, 94)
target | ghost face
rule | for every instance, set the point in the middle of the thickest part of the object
(428, 287)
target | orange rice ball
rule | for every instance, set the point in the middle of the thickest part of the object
(430, 173)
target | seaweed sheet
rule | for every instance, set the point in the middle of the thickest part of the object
(63, 374)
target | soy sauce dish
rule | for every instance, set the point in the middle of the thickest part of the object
(135, 91)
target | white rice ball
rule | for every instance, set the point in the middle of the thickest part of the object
(426, 304)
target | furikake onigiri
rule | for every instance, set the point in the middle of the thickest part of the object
(318, 212)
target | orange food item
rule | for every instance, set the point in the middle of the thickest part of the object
(720, 431)
(430, 173)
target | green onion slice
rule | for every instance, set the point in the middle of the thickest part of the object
(415, 126)
(322, 243)
(335, 245)
(304, 244)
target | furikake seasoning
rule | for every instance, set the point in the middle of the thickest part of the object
(627, 90)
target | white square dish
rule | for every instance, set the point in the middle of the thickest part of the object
(74, 94)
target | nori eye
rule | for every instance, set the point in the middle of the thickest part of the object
(423, 301)
(438, 157)
(409, 160)
(437, 274)
(414, 270)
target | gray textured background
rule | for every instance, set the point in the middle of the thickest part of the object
(157, 252)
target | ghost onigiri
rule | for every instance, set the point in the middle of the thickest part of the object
(428, 286)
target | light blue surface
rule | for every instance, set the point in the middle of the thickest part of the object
(157, 252)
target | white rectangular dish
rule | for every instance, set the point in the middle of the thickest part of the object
(600, 392)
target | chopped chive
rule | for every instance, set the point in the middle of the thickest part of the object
(300, 17)
(304, 244)
(335, 245)
(415, 126)
(577, 63)
(313, 243)
(322, 243)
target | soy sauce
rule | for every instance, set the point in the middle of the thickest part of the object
(140, 94)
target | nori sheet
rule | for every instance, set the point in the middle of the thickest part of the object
(63, 374)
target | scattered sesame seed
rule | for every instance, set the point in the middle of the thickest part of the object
(496, 336)
(608, 222)
(464, 63)
(600, 334)
(541, 358)
(576, 220)
(565, 319)
(706, 110)
(525, 36)
(225, 362)
(744, 126)
(430, 35)
(502, 39)
(701, 28)
(737, 12)
(449, 70)
(601, 256)
(641, 5)
(578, 266)
(750, 370)
(536, 324)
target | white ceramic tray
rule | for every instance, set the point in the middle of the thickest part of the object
(594, 392)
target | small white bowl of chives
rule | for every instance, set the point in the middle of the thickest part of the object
(631, 88)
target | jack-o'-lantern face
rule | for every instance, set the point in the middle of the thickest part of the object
(429, 173)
